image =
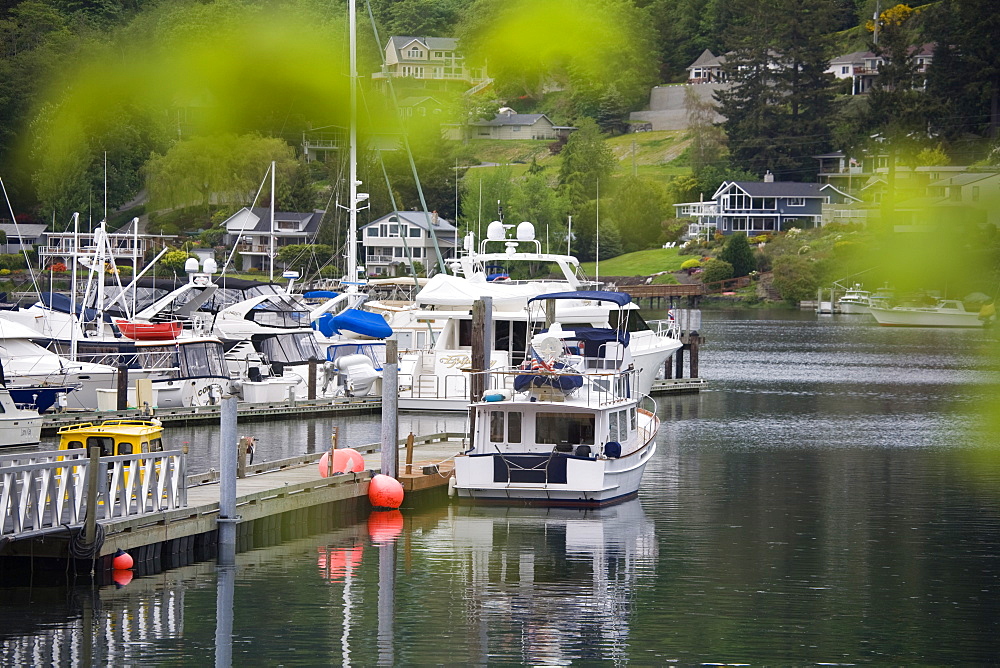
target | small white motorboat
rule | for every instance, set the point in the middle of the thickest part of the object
(18, 426)
(946, 313)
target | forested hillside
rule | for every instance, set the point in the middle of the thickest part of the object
(187, 103)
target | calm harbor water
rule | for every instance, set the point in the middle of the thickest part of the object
(821, 503)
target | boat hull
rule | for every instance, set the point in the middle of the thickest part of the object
(924, 317)
(559, 479)
(20, 430)
(852, 308)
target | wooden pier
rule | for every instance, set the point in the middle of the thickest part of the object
(268, 489)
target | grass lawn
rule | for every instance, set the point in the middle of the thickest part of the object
(639, 263)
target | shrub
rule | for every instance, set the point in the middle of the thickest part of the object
(795, 278)
(737, 252)
(5, 272)
(688, 265)
(58, 267)
(716, 270)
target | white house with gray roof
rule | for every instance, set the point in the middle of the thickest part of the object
(390, 241)
(249, 230)
(428, 59)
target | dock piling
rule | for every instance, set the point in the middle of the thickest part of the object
(390, 416)
(227, 480)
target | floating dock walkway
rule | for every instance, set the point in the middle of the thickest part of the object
(43, 508)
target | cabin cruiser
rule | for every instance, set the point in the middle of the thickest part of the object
(567, 426)
(18, 425)
(435, 333)
(855, 301)
(945, 313)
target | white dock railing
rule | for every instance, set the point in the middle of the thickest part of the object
(44, 490)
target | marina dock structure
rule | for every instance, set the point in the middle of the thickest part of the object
(148, 505)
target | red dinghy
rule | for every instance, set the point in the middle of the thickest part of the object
(149, 331)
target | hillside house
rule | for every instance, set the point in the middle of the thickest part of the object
(249, 230)
(428, 59)
(387, 240)
(508, 124)
(862, 67)
(755, 207)
(21, 237)
(707, 68)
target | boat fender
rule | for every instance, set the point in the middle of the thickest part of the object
(613, 449)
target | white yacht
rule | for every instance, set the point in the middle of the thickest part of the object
(566, 427)
(946, 313)
(435, 333)
(855, 301)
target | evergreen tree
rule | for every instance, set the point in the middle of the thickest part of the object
(778, 108)
(963, 80)
(587, 162)
(737, 252)
(640, 206)
(611, 111)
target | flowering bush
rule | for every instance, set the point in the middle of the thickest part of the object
(58, 266)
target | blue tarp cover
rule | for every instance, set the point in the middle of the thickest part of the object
(320, 294)
(354, 320)
(620, 298)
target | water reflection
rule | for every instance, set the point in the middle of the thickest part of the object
(548, 586)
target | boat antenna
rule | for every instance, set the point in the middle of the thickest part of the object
(352, 177)
(597, 235)
(271, 251)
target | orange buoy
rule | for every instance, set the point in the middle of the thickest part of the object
(385, 492)
(384, 526)
(122, 561)
(345, 460)
(121, 577)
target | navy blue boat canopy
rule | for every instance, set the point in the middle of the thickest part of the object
(64, 304)
(594, 337)
(620, 298)
(354, 320)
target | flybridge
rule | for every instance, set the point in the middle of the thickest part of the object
(498, 250)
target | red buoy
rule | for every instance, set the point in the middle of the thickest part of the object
(122, 561)
(345, 460)
(384, 526)
(385, 492)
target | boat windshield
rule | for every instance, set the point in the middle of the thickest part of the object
(292, 348)
(628, 321)
(198, 359)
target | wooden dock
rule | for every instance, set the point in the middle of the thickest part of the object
(268, 490)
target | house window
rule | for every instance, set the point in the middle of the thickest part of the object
(439, 54)
(415, 232)
(414, 53)
(845, 69)
(796, 201)
(394, 230)
(516, 128)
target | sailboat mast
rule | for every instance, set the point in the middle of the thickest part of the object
(352, 211)
(271, 251)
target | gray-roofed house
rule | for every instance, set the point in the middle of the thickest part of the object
(756, 207)
(21, 237)
(706, 68)
(428, 59)
(385, 241)
(508, 124)
(250, 231)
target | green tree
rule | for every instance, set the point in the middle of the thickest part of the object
(738, 254)
(778, 107)
(708, 141)
(964, 77)
(295, 191)
(221, 169)
(587, 162)
(795, 278)
(611, 111)
(483, 190)
(716, 270)
(174, 261)
(534, 200)
(303, 256)
(641, 205)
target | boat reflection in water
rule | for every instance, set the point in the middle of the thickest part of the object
(551, 585)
